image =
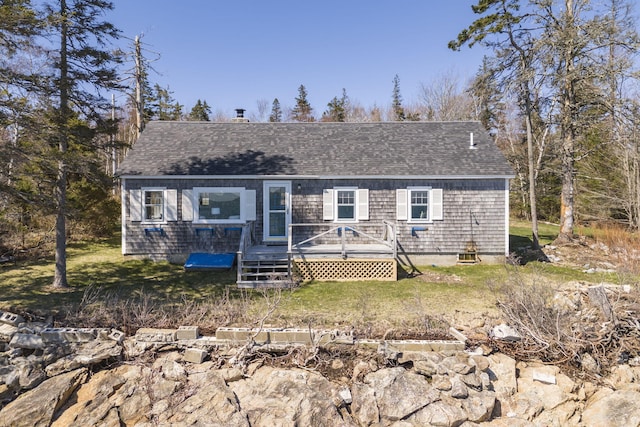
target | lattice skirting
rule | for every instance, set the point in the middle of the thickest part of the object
(345, 270)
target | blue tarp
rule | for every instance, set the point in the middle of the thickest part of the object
(205, 260)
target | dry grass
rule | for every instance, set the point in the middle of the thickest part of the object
(108, 290)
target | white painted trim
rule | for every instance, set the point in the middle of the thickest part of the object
(362, 210)
(265, 209)
(436, 208)
(506, 218)
(250, 205)
(327, 204)
(356, 204)
(171, 205)
(123, 218)
(402, 206)
(164, 205)
(187, 205)
(242, 191)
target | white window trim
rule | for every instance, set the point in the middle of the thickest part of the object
(427, 220)
(330, 204)
(355, 204)
(435, 205)
(245, 204)
(143, 210)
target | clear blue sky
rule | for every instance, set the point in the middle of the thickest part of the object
(232, 54)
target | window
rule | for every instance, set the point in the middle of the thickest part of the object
(223, 204)
(153, 205)
(153, 208)
(219, 205)
(345, 204)
(419, 204)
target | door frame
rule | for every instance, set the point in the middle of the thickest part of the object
(265, 210)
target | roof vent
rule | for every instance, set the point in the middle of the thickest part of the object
(472, 144)
(240, 118)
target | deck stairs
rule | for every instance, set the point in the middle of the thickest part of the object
(265, 269)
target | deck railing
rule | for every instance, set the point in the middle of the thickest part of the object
(347, 234)
(247, 239)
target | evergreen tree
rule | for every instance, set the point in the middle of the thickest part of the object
(302, 112)
(80, 63)
(276, 112)
(338, 107)
(396, 101)
(162, 106)
(200, 112)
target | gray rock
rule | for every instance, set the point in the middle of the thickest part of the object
(30, 376)
(479, 405)
(428, 368)
(37, 407)
(364, 406)
(617, 409)
(446, 412)
(458, 388)
(502, 373)
(589, 364)
(505, 333)
(28, 341)
(400, 393)
(7, 331)
(87, 354)
(288, 397)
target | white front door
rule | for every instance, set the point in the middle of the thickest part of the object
(277, 210)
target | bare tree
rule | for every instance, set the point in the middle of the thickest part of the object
(445, 99)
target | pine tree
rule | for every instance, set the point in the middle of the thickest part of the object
(162, 106)
(79, 63)
(276, 112)
(338, 107)
(302, 112)
(200, 112)
(396, 101)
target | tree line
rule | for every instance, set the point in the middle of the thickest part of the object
(559, 94)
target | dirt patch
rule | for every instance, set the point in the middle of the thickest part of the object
(436, 277)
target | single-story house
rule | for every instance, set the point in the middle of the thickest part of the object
(315, 200)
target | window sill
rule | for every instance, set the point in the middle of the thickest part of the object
(219, 221)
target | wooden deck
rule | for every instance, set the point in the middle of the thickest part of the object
(276, 265)
(319, 251)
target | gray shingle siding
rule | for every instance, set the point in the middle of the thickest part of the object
(380, 157)
(473, 210)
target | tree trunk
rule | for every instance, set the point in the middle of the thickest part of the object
(567, 196)
(532, 181)
(60, 277)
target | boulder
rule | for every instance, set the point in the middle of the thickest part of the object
(399, 393)
(288, 397)
(86, 354)
(38, 406)
(479, 405)
(212, 403)
(95, 400)
(617, 409)
(446, 412)
(502, 373)
(364, 406)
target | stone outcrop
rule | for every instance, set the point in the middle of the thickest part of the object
(82, 377)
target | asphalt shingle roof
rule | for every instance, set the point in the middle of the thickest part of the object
(315, 149)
